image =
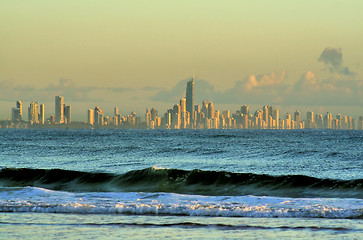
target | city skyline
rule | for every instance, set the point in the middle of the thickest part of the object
(294, 55)
(184, 115)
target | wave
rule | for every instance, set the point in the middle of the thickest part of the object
(40, 200)
(210, 183)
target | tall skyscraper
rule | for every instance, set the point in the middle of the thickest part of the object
(297, 117)
(211, 110)
(244, 110)
(190, 97)
(98, 116)
(288, 121)
(183, 105)
(90, 116)
(310, 119)
(15, 115)
(276, 117)
(19, 105)
(41, 113)
(116, 111)
(67, 114)
(33, 112)
(59, 109)
(265, 113)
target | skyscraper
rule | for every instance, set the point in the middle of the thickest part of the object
(15, 114)
(33, 113)
(310, 119)
(276, 117)
(59, 109)
(210, 110)
(190, 97)
(19, 105)
(244, 110)
(116, 111)
(90, 116)
(41, 113)
(98, 116)
(297, 117)
(67, 114)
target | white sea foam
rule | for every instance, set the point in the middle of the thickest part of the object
(31, 199)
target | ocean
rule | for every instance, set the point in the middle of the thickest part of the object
(188, 184)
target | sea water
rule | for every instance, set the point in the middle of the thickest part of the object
(271, 184)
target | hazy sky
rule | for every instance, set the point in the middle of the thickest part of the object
(136, 54)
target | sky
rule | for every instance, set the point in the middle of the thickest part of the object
(304, 55)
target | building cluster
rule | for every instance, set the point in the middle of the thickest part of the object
(62, 112)
(185, 115)
(36, 114)
(97, 119)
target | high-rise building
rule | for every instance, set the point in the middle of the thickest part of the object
(154, 113)
(33, 113)
(148, 117)
(19, 105)
(319, 120)
(288, 121)
(328, 120)
(15, 115)
(41, 113)
(244, 110)
(276, 118)
(265, 113)
(67, 114)
(190, 97)
(183, 105)
(310, 119)
(59, 109)
(116, 111)
(90, 116)
(211, 110)
(98, 116)
(297, 117)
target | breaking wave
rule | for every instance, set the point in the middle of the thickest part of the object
(198, 182)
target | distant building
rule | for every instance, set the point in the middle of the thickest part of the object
(244, 109)
(59, 109)
(67, 114)
(41, 113)
(116, 111)
(276, 118)
(15, 115)
(310, 120)
(90, 113)
(19, 105)
(211, 112)
(183, 105)
(190, 98)
(98, 116)
(33, 112)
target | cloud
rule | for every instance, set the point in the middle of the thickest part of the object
(333, 57)
(69, 90)
(333, 91)
(12, 91)
(272, 88)
(256, 89)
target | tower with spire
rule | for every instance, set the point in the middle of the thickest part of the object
(190, 98)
